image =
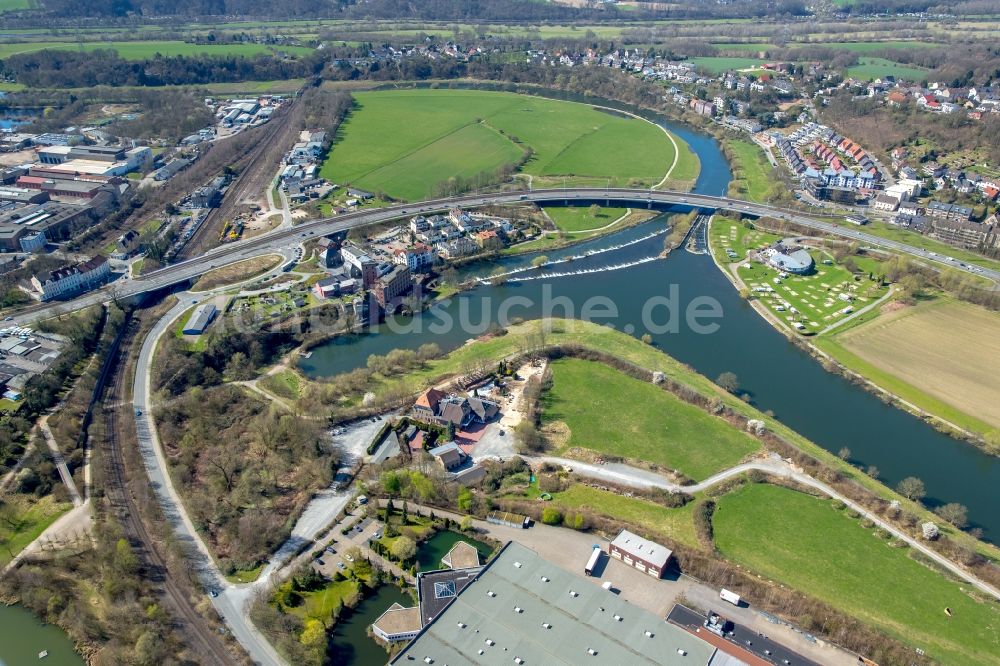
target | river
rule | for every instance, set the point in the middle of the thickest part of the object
(778, 376)
(23, 637)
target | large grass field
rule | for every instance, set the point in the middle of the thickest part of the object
(855, 47)
(142, 50)
(752, 172)
(806, 543)
(608, 412)
(874, 68)
(404, 142)
(15, 5)
(868, 47)
(947, 349)
(578, 218)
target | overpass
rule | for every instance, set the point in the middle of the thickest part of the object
(280, 239)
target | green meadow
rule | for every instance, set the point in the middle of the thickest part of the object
(874, 68)
(149, 49)
(577, 218)
(404, 142)
(609, 412)
(806, 543)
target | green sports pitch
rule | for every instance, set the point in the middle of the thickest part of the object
(405, 142)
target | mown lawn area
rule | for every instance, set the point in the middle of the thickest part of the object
(245, 575)
(640, 514)
(874, 68)
(811, 303)
(611, 413)
(726, 233)
(319, 604)
(405, 142)
(575, 218)
(29, 518)
(752, 172)
(809, 545)
(14, 5)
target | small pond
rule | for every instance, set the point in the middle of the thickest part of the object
(23, 636)
(430, 552)
(351, 645)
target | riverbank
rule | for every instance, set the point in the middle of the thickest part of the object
(556, 241)
(834, 358)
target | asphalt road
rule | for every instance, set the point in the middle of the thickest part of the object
(232, 607)
(284, 238)
(738, 635)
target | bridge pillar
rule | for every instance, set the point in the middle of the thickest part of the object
(649, 204)
(565, 202)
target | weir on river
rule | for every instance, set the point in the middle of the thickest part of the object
(575, 257)
(777, 375)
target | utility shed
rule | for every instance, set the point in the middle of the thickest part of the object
(643, 554)
(200, 319)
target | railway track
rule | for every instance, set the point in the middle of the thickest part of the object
(203, 642)
(256, 171)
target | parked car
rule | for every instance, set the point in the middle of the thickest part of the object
(348, 557)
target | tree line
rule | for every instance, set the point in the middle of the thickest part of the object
(453, 10)
(104, 67)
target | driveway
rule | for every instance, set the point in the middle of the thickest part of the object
(353, 438)
(492, 444)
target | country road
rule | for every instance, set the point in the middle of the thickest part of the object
(232, 611)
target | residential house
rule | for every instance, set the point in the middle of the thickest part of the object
(127, 245)
(963, 233)
(885, 202)
(460, 247)
(418, 258)
(449, 455)
(489, 240)
(71, 279)
(945, 211)
(434, 406)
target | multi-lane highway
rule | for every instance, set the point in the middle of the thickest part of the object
(280, 239)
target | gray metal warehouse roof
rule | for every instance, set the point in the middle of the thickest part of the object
(501, 617)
